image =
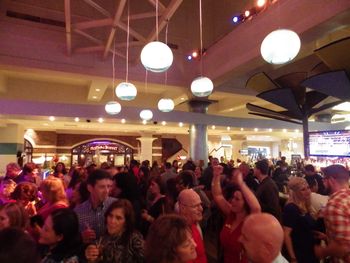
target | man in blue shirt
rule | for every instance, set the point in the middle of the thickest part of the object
(91, 212)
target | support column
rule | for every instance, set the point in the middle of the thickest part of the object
(146, 147)
(11, 142)
(199, 133)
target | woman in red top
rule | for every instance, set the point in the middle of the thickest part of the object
(236, 209)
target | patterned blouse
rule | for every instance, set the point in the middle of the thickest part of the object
(113, 251)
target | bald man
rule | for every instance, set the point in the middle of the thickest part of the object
(190, 207)
(262, 239)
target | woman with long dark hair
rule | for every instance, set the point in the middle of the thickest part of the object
(62, 237)
(122, 243)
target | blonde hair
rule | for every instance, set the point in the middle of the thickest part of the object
(54, 189)
(295, 185)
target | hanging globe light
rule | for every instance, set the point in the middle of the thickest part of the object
(156, 56)
(280, 46)
(113, 107)
(146, 115)
(202, 86)
(126, 91)
(166, 105)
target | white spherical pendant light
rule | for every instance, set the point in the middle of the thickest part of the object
(146, 115)
(202, 86)
(126, 91)
(280, 46)
(156, 56)
(113, 107)
(166, 105)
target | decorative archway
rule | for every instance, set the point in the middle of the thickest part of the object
(101, 150)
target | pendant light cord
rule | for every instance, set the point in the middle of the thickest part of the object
(157, 19)
(127, 45)
(166, 42)
(113, 69)
(201, 35)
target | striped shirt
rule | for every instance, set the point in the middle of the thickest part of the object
(93, 218)
(337, 219)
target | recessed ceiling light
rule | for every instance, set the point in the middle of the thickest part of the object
(182, 98)
(76, 119)
(228, 128)
(181, 124)
(123, 121)
(94, 97)
(144, 122)
(242, 129)
(98, 90)
(163, 123)
(256, 129)
(213, 127)
(51, 118)
(100, 120)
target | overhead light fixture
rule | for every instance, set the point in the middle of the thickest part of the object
(156, 56)
(76, 119)
(181, 124)
(166, 105)
(126, 90)
(345, 106)
(123, 121)
(113, 107)
(146, 115)
(201, 86)
(163, 123)
(51, 118)
(280, 46)
(100, 120)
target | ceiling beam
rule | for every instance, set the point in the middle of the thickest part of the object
(93, 23)
(142, 16)
(132, 32)
(96, 41)
(67, 15)
(115, 23)
(98, 8)
(161, 7)
(167, 14)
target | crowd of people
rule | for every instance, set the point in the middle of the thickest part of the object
(162, 213)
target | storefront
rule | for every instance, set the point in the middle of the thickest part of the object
(100, 151)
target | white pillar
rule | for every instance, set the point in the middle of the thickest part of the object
(146, 147)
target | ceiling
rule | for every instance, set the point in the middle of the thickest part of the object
(57, 59)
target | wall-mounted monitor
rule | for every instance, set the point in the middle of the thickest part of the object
(330, 143)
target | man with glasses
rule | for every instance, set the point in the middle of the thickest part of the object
(190, 207)
(336, 215)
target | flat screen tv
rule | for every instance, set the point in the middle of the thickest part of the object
(330, 143)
